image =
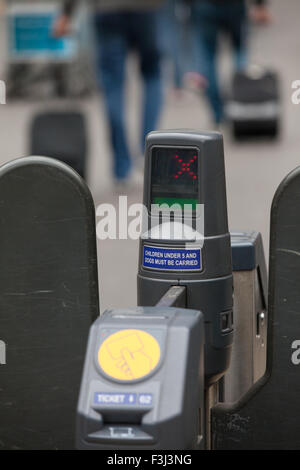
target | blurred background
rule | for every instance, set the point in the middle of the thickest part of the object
(86, 82)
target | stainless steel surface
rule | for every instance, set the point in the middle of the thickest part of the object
(211, 399)
(175, 297)
(248, 363)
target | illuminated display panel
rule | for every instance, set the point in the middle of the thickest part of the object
(175, 176)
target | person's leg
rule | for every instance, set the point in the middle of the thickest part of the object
(237, 25)
(176, 27)
(111, 73)
(146, 41)
(206, 24)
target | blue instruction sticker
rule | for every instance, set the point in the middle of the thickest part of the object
(172, 259)
(115, 398)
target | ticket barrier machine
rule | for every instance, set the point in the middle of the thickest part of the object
(168, 374)
(267, 416)
(180, 174)
(143, 380)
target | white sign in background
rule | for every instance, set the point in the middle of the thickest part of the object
(2, 353)
(2, 92)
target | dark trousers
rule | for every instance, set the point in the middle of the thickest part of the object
(210, 19)
(116, 34)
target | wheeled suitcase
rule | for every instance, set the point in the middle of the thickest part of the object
(61, 135)
(254, 108)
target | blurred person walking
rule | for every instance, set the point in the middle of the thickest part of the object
(120, 26)
(212, 17)
(175, 32)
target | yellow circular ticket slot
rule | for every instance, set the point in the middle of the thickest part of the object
(129, 355)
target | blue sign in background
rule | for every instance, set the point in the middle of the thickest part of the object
(172, 259)
(31, 34)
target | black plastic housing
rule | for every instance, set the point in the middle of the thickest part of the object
(209, 290)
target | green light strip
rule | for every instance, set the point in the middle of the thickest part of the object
(170, 201)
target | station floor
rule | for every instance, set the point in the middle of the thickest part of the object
(254, 170)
